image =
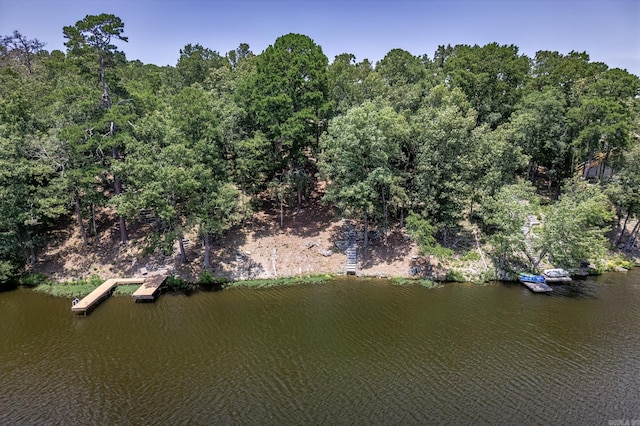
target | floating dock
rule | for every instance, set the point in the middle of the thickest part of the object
(148, 290)
(537, 287)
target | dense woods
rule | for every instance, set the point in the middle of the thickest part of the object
(475, 137)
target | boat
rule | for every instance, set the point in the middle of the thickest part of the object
(535, 283)
(531, 278)
(556, 275)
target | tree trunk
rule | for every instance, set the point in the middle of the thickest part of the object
(92, 224)
(632, 236)
(281, 213)
(532, 172)
(385, 215)
(603, 165)
(587, 165)
(207, 251)
(78, 209)
(117, 188)
(32, 255)
(117, 183)
(366, 230)
(622, 230)
(183, 253)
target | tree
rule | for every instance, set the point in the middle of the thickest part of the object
(196, 64)
(506, 217)
(404, 79)
(289, 98)
(351, 83)
(539, 127)
(624, 191)
(602, 120)
(362, 152)
(442, 130)
(17, 50)
(93, 35)
(574, 228)
(491, 76)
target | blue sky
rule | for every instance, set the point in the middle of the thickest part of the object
(608, 30)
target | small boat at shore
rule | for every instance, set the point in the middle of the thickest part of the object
(556, 275)
(535, 283)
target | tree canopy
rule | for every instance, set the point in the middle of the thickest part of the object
(480, 137)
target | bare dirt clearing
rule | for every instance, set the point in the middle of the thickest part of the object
(260, 249)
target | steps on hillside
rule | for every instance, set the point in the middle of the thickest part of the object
(352, 254)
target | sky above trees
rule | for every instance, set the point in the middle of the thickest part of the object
(608, 30)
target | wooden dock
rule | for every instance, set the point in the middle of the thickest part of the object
(352, 255)
(537, 287)
(148, 290)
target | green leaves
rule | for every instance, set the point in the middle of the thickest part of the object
(362, 153)
(94, 31)
(574, 228)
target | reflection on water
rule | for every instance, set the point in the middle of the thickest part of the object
(349, 352)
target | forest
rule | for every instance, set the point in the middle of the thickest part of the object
(475, 137)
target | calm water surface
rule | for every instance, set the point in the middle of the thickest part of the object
(348, 352)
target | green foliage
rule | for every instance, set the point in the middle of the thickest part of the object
(209, 282)
(574, 228)
(619, 261)
(286, 281)
(414, 281)
(361, 160)
(7, 272)
(471, 256)
(454, 275)
(79, 288)
(177, 284)
(506, 216)
(197, 144)
(34, 280)
(288, 98)
(442, 130)
(491, 76)
(422, 233)
(125, 290)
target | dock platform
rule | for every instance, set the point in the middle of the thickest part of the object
(537, 287)
(150, 288)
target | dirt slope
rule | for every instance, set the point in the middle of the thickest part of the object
(261, 249)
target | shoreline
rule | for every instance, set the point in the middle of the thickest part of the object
(82, 287)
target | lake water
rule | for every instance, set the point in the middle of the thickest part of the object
(348, 352)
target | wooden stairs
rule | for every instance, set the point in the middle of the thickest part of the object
(352, 254)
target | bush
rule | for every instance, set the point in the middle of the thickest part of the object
(414, 281)
(455, 276)
(471, 256)
(209, 282)
(619, 261)
(34, 280)
(175, 283)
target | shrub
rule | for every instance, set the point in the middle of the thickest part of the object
(34, 280)
(175, 283)
(455, 275)
(209, 282)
